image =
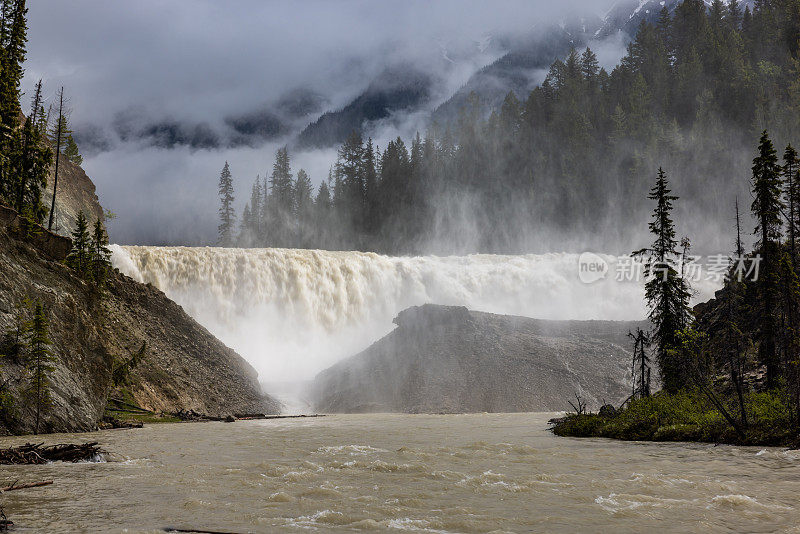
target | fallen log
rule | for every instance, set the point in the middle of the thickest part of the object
(30, 454)
(195, 531)
(16, 486)
(250, 417)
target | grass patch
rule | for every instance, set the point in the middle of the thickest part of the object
(688, 416)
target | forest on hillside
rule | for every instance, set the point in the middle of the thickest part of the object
(573, 158)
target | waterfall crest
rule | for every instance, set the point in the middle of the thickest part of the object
(292, 313)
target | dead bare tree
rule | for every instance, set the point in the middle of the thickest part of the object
(640, 366)
(580, 408)
(59, 136)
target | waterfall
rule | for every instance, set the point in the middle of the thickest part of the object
(292, 313)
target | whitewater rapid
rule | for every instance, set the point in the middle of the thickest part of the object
(292, 313)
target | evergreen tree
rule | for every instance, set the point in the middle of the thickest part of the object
(766, 209)
(99, 257)
(40, 365)
(245, 237)
(791, 171)
(350, 170)
(734, 14)
(717, 13)
(304, 205)
(79, 256)
(71, 151)
(323, 207)
(24, 162)
(370, 219)
(227, 215)
(252, 228)
(14, 38)
(13, 344)
(280, 203)
(666, 291)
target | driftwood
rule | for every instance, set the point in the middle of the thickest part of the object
(16, 486)
(247, 417)
(191, 415)
(110, 422)
(38, 454)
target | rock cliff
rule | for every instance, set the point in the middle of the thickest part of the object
(184, 368)
(451, 360)
(76, 192)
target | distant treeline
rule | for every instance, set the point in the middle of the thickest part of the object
(692, 94)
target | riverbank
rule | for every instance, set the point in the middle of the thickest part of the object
(688, 416)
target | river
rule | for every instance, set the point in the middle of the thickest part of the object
(412, 473)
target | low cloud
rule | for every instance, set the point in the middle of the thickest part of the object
(164, 93)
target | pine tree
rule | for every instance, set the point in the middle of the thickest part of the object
(227, 216)
(40, 365)
(79, 256)
(14, 37)
(245, 237)
(280, 203)
(30, 164)
(734, 14)
(323, 207)
(791, 170)
(766, 209)
(71, 151)
(304, 205)
(350, 170)
(590, 68)
(717, 13)
(99, 257)
(370, 220)
(14, 338)
(666, 291)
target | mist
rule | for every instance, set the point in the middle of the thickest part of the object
(161, 96)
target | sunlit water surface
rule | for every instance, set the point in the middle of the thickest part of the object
(413, 473)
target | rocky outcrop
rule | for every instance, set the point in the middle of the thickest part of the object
(76, 192)
(451, 360)
(54, 246)
(184, 368)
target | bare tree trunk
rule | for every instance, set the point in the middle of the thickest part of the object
(58, 156)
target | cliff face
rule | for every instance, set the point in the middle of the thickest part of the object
(185, 367)
(448, 359)
(76, 192)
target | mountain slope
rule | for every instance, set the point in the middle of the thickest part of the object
(397, 89)
(520, 70)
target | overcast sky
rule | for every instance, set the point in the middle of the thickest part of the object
(204, 60)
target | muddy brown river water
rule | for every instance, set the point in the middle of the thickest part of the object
(412, 473)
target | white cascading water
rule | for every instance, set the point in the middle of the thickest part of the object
(292, 313)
